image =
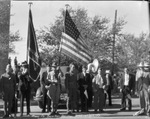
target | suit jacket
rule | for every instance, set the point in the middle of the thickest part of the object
(131, 82)
(83, 80)
(8, 82)
(108, 81)
(143, 81)
(24, 82)
(43, 80)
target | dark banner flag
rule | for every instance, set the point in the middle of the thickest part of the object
(33, 57)
(72, 43)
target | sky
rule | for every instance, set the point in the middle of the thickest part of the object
(45, 13)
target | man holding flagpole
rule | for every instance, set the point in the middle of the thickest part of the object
(33, 58)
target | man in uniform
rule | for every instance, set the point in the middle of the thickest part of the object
(8, 82)
(143, 87)
(24, 87)
(54, 88)
(43, 83)
(98, 88)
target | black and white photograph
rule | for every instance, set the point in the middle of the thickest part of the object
(74, 59)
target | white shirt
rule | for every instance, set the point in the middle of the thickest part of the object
(126, 79)
(98, 81)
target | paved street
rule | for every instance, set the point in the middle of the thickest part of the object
(109, 112)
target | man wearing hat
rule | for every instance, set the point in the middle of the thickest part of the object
(54, 88)
(126, 87)
(24, 87)
(109, 85)
(143, 87)
(43, 83)
(8, 82)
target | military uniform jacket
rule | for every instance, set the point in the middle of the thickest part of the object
(144, 81)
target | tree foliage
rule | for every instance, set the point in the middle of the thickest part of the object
(14, 37)
(97, 33)
(131, 50)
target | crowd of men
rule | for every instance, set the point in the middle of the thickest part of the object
(90, 89)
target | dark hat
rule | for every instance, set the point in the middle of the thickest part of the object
(84, 67)
(54, 65)
(24, 64)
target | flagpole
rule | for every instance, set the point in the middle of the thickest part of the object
(67, 6)
(29, 3)
(114, 35)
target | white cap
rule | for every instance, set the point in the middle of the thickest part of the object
(107, 71)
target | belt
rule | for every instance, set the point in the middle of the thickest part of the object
(54, 84)
(126, 85)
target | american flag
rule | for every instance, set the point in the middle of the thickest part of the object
(72, 43)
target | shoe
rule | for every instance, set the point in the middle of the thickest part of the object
(95, 110)
(43, 111)
(28, 114)
(82, 110)
(57, 113)
(52, 113)
(101, 110)
(10, 116)
(139, 113)
(122, 109)
(5, 116)
(48, 111)
(110, 104)
(69, 113)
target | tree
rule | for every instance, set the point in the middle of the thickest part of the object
(95, 31)
(131, 50)
(4, 33)
(14, 37)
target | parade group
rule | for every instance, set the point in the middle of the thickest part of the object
(85, 90)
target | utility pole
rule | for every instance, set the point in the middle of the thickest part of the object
(113, 47)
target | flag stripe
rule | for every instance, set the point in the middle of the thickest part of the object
(76, 44)
(73, 55)
(68, 40)
(75, 49)
(75, 52)
(80, 44)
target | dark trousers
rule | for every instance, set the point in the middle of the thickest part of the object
(90, 96)
(15, 103)
(126, 91)
(25, 94)
(109, 95)
(47, 101)
(7, 106)
(84, 101)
